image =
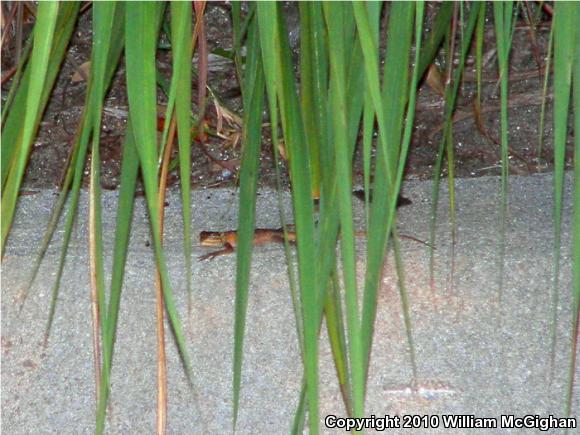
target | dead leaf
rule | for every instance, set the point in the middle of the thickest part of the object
(435, 80)
(82, 73)
(282, 150)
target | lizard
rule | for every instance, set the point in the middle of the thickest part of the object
(228, 240)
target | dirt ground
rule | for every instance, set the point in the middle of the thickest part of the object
(477, 149)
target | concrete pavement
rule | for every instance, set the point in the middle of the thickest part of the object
(475, 357)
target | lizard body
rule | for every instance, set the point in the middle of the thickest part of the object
(228, 240)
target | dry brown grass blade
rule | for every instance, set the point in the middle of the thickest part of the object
(529, 19)
(7, 23)
(8, 74)
(95, 307)
(452, 39)
(202, 64)
(160, 307)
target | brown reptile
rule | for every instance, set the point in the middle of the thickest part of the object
(228, 240)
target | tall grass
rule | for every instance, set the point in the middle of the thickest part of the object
(351, 83)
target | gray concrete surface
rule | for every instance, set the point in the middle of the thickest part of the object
(475, 357)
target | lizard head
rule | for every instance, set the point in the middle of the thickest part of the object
(211, 238)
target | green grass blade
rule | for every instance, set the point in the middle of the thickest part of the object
(71, 216)
(16, 80)
(547, 67)
(55, 213)
(253, 107)
(329, 208)
(103, 16)
(334, 315)
(13, 119)
(335, 16)
(329, 215)
(450, 154)
(274, 43)
(103, 24)
(269, 64)
(373, 9)
(141, 90)
(479, 37)
(575, 225)
(74, 175)
(405, 305)
(405, 144)
(503, 12)
(450, 100)
(125, 205)
(389, 108)
(300, 415)
(312, 71)
(79, 165)
(39, 61)
(565, 41)
(181, 13)
(237, 37)
(435, 36)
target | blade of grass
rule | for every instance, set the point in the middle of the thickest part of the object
(74, 175)
(253, 106)
(503, 12)
(479, 38)
(269, 79)
(39, 61)
(143, 109)
(389, 113)
(405, 144)
(547, 68)
(334, 315)
(576, 225)
(96, 268)
(140, 60)
(564, 50)
(128, 185)
(13, 119)
(182, 44)
(329, 204)
(103, 19)
(16, 79)
(238, 37)
(435, 37)
(450, 101)
(159, 314)
(269, 65)
(274, 43)
(300, 415)
(85, 132)
(329, 208)
(450, 151)
(373, 9)
(310, 69)
(335, 16)
(355, 97)
(202, 50)
(405, 305)
(70, 220)
(55, 213)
